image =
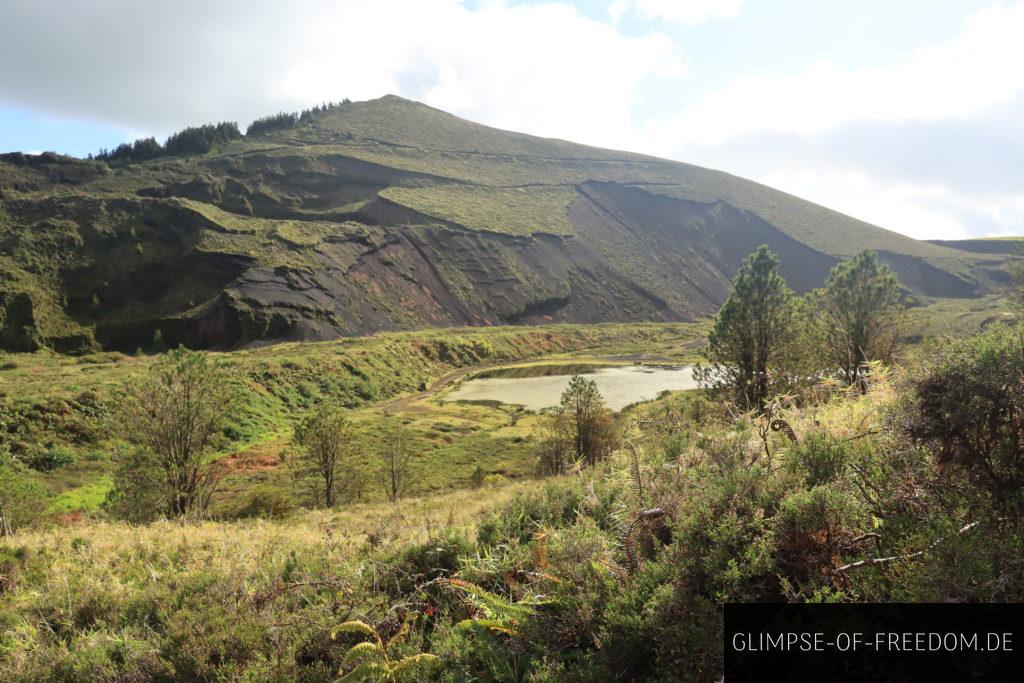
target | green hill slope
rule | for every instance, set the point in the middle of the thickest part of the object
(389, 214)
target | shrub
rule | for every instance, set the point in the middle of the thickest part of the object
(435, 558)
(811, 529)
(21, 498)
(139, 493)
(265, 501)
(819, 458)
(49, 459)
(176, 412)
(492, 481)
(968, 408)
(556, 505)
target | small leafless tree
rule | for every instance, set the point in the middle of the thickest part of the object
(324, 440)
(396, 459)
(175, 412)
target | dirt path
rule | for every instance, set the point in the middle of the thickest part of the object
(405, 403)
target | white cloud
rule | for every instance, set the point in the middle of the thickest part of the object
(792, 132)
(451, 93)
(617, 10)
(689, 11)
(544, 69)
(978, 70)
(921, 211)
(549, 70)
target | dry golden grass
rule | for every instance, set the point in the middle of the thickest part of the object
(243, 547)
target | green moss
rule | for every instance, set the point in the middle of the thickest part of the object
(517, 211)
(85, 498)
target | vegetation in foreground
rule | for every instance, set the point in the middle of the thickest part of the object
(610, 573)
(872, 484)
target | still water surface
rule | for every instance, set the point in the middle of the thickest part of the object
(620, 386)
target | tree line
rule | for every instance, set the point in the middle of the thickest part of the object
(191, 140)
(766, 341)
(201, 139)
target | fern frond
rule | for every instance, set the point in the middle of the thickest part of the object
(493, 625)
(490, 601)
(366, 671)
(401, 633)
(635, 473)
(354, 627)
(364, 649)
(415, 663)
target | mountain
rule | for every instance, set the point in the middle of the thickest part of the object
(389, 214)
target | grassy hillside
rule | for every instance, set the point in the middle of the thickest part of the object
(987, 245)
(389, 214)
(618, 571)
(58, 408)
(64, 410)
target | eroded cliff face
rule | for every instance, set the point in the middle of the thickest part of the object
(319, 232)
(130, 273)
(182, 280)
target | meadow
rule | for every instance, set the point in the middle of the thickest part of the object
(615, 572)
(485, 568)
(63, 410)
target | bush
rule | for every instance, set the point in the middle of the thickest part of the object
(493, 481)
(416, 564)
(49, 459)
(264, 501)
(177, 413)
(819, 459)
(139, 493)
(21, 499)
(477, 476)
(520, 519)
(811, 529)
(968, 408)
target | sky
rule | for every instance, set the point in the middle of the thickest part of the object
(906, 113)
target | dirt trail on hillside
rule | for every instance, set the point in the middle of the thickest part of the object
(407, 403)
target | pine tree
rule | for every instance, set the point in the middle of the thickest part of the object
(748, 350)
(859, 315)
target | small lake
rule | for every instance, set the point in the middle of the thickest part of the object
(620, 386)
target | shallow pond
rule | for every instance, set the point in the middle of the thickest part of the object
(620, 386)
